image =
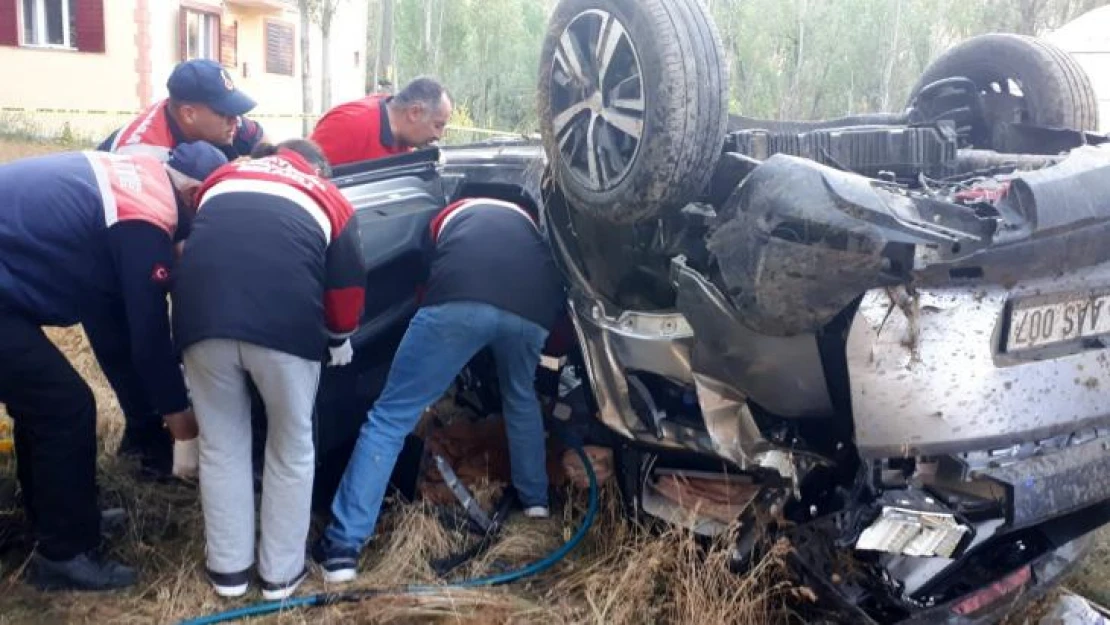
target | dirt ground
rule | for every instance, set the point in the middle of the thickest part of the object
(620, 573)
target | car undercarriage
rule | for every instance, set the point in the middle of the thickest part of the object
(881, 338)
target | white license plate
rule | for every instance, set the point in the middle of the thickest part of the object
(1042, 322)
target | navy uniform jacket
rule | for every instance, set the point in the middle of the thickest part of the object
(84, 233)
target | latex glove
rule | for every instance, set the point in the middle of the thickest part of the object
(186, 458)
(341, 354)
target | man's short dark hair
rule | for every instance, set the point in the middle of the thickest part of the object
(306, 148)
(422, 90)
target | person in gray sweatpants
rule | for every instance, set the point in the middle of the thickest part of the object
(269, 283)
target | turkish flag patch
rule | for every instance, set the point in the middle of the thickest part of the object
(161, 274)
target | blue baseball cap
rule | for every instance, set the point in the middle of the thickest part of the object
(205, 82)
(196, 160)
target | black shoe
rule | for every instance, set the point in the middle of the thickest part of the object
(152, 447)
(230, 584)
(112, 521)
(337, 565)
(85, 572)
(275, 591)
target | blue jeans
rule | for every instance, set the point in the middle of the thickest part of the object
(439, 342)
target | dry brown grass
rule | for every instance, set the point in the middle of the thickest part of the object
(620, 574)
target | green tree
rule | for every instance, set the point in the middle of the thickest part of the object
(796, 59)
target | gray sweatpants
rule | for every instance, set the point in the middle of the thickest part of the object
(217, 373)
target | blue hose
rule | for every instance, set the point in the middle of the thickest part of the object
(321, 599)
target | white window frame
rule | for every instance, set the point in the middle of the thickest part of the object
(208, 34)
(38, 28)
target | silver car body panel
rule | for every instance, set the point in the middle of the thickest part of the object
(930, 372)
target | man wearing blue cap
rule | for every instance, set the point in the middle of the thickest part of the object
(88, 238)
(204, 105)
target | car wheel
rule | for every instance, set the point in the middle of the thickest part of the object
(633, 101)
(1021, 80)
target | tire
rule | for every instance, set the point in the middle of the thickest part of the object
(682, 97)
(1056, 90)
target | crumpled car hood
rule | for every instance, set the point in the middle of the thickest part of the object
(798, 241)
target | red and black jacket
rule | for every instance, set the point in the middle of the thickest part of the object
(274, 259)
(490, 251)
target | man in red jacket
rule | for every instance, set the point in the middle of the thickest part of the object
(380, 125)
(270, 282)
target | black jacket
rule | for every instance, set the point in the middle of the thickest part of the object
(490, 251)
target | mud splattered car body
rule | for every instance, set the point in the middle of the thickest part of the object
(882, 338)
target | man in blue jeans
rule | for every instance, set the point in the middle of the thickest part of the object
(492, 282)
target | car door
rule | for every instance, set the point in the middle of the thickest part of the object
(394, 199)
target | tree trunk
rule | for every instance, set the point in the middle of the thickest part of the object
(325, 63)
(793, 99)
(383, 67)
(1029, 12)
(427, 40)
(438, 44)
(306, 67)
(895, 42)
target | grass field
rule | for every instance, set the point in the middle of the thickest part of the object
(620, 574)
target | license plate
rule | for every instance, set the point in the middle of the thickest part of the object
(1067, 317)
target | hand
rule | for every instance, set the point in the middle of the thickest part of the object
(182, 425)
(341, 354)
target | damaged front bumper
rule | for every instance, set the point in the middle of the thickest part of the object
(636, 359)
(986, 603)
(619, 349)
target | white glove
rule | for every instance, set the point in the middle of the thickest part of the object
(186, 458)
(341, 354)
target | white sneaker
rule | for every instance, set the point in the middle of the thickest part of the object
(537, 512)
(278, 592)
(230, 585)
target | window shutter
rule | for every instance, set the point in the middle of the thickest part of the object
(9, 23)
(216, 36)
(90, 25)
(182, 34)
(279, 47)
(229, 45)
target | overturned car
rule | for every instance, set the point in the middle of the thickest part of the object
(883, 337)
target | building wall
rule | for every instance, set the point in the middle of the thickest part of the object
(35, 78)
(278, 96)
(119, 80)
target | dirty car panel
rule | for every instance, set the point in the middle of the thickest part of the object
(932, 372)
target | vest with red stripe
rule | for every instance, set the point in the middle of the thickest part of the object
(149, 133)
(53, 216)
(152, 133)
